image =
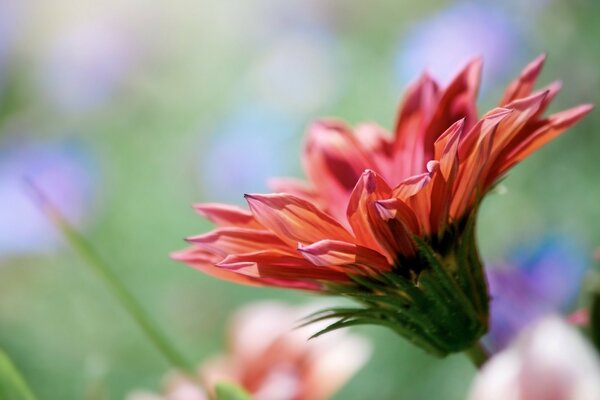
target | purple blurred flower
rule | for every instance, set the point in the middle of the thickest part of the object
(244, 152)
(447, 40)
(63, 171)
(532, 284)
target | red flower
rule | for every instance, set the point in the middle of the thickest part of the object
(380, 206)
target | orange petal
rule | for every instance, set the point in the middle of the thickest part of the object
(225, 241)
(554, 125)
(204, 261)
(295, 220)
(473, 161)
(414, 116)
(411, 186)
(370, 187)
(458, 101)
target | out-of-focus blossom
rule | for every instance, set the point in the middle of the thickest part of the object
(451, 37)
(532, 284)
(62, 170)
(296, 73)
(273, 360)
(389, 220)
(548, 361)
(247, 149)
(87, 64)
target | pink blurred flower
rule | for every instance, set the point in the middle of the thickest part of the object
(548, 361)
(273, 360)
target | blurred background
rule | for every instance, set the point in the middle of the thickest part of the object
(126, 112)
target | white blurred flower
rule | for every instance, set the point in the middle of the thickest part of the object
(549, 361)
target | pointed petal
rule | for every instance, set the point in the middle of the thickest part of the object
(458, 101)
(523, 85)
(295, 220)
(524, 109)
(334, 252)
(554, 125)
(225, 241)
(226, 215)
(474, 153)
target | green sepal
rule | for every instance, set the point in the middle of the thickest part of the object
(438, 300)
(226, 390)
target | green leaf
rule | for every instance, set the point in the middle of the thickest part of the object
(230, 391)
(12, 384)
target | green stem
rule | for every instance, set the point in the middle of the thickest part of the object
(129, 303)
(12, 384)
(477, 354)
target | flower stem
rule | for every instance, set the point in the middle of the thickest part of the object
(477, 354)
(12, 384)
(112, 282)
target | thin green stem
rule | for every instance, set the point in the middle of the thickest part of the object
(12, 384)
(125, 298)
(478, 355)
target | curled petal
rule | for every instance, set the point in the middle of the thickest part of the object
(370, 187)
(276, 265)
(398, 210)
(205, 261)
(411, 186)
(226, 215)
(334, 252)
(295, 220)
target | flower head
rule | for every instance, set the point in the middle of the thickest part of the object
(389, 219)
